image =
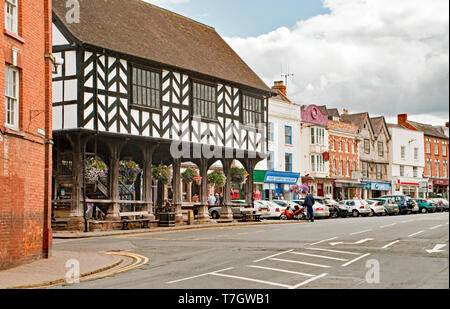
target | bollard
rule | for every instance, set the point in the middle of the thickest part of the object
(190, 217)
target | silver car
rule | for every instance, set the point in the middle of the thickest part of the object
(320, 210)
(269, 210)
(357, 207)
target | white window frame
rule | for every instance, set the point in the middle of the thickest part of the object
(436, 148)
(444, 149)
(416, 154)
(365, 170)
(403, 152)
(444, 169)
(436, 168)
(12, 100)
(317, 163)
(318, 136)
(12, 18)
(428, 146)
(402, 171)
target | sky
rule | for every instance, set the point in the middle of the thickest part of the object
(381, 56)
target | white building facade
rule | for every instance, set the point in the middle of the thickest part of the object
(407, 162)
(282, 167)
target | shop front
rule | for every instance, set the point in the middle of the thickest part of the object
(347, 190)
(441, 187)
(277, 184)
(414, 188)
(320, 187)
(373, 189)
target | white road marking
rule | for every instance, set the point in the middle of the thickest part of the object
(299, 262)
(252, 280)
(436, 227)
(335, 251)
(266, 258)
(391, 244)
(319, 256)
(193, 277)
(362, 232)
(282, 270)
(357, 259)
(389, 225)
(354, 243)
(307, 281)
(319, 242)
(415, 234)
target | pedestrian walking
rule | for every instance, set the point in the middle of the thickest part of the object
(309, 203)
(212, 200)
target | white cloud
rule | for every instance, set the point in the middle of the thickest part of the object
(381, 56)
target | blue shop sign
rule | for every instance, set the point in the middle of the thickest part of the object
(377, 186)
(281, 178)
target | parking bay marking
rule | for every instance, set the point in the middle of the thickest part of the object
(359, 242)
(436, 227)
(357, 259)
(300, 262)
(319, 242)
(334, 251)
(391, 244)
(320, 256)
(361, 232)
(266, 258)
(282, 270)
(415, 234)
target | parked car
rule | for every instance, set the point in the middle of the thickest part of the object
(405, 203)
(269, 209)
(320, 210)
(357, 207)
(390, 206)
(376, 207)
(425, 206)
(438, 204)
(330, 203)
(444, 203)
(215, 212)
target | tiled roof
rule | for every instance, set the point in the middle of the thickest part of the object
(428, 129)
(139, 29)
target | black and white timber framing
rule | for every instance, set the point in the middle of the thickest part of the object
(92, 97)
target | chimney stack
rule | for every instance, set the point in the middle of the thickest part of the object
(402, 118)
(280, 86)
(345, 111)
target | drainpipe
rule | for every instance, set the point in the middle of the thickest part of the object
(84, 189)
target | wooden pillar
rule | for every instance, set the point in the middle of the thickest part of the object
(227, 213)
(177, 199)
(76, 220)
(114, 209)
(189, 192)
(148, 179)
(250, 167)
(203, 211)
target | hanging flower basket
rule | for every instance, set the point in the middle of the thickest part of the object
(95, 170)
(217, 178)
(238, 175)
(162, 173)
(128, 171)
(189, 175)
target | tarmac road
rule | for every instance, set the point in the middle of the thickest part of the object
(353, 253)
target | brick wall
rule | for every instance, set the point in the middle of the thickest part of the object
(25, 179)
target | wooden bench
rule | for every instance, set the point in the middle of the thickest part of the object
(144, 222)
(250, 215)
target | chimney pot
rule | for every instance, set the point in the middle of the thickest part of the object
(446, 124)
(402, 118)
(345, 111)
(279, 85)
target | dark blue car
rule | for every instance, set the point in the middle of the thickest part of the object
(405, 203)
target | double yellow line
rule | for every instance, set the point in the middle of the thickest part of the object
(139, 260)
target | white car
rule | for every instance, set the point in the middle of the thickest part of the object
(269, 209)
(357, 207)
(320, 210)
(377, 209)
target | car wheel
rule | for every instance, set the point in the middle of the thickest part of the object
(372, 213)
(424, 210)
(355, 213)
(283, 217)
(215, 215)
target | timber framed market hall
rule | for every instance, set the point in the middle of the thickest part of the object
(136, 79)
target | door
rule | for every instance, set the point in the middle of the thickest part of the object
(320, 189)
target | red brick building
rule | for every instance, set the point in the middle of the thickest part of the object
(344, 157)
(25, 131)
(436, 154)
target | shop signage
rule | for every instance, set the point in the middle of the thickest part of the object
(281, 178)
(377, 186)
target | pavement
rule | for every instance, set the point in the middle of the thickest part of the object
(49, 272)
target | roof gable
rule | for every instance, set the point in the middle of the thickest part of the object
(139, 29)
